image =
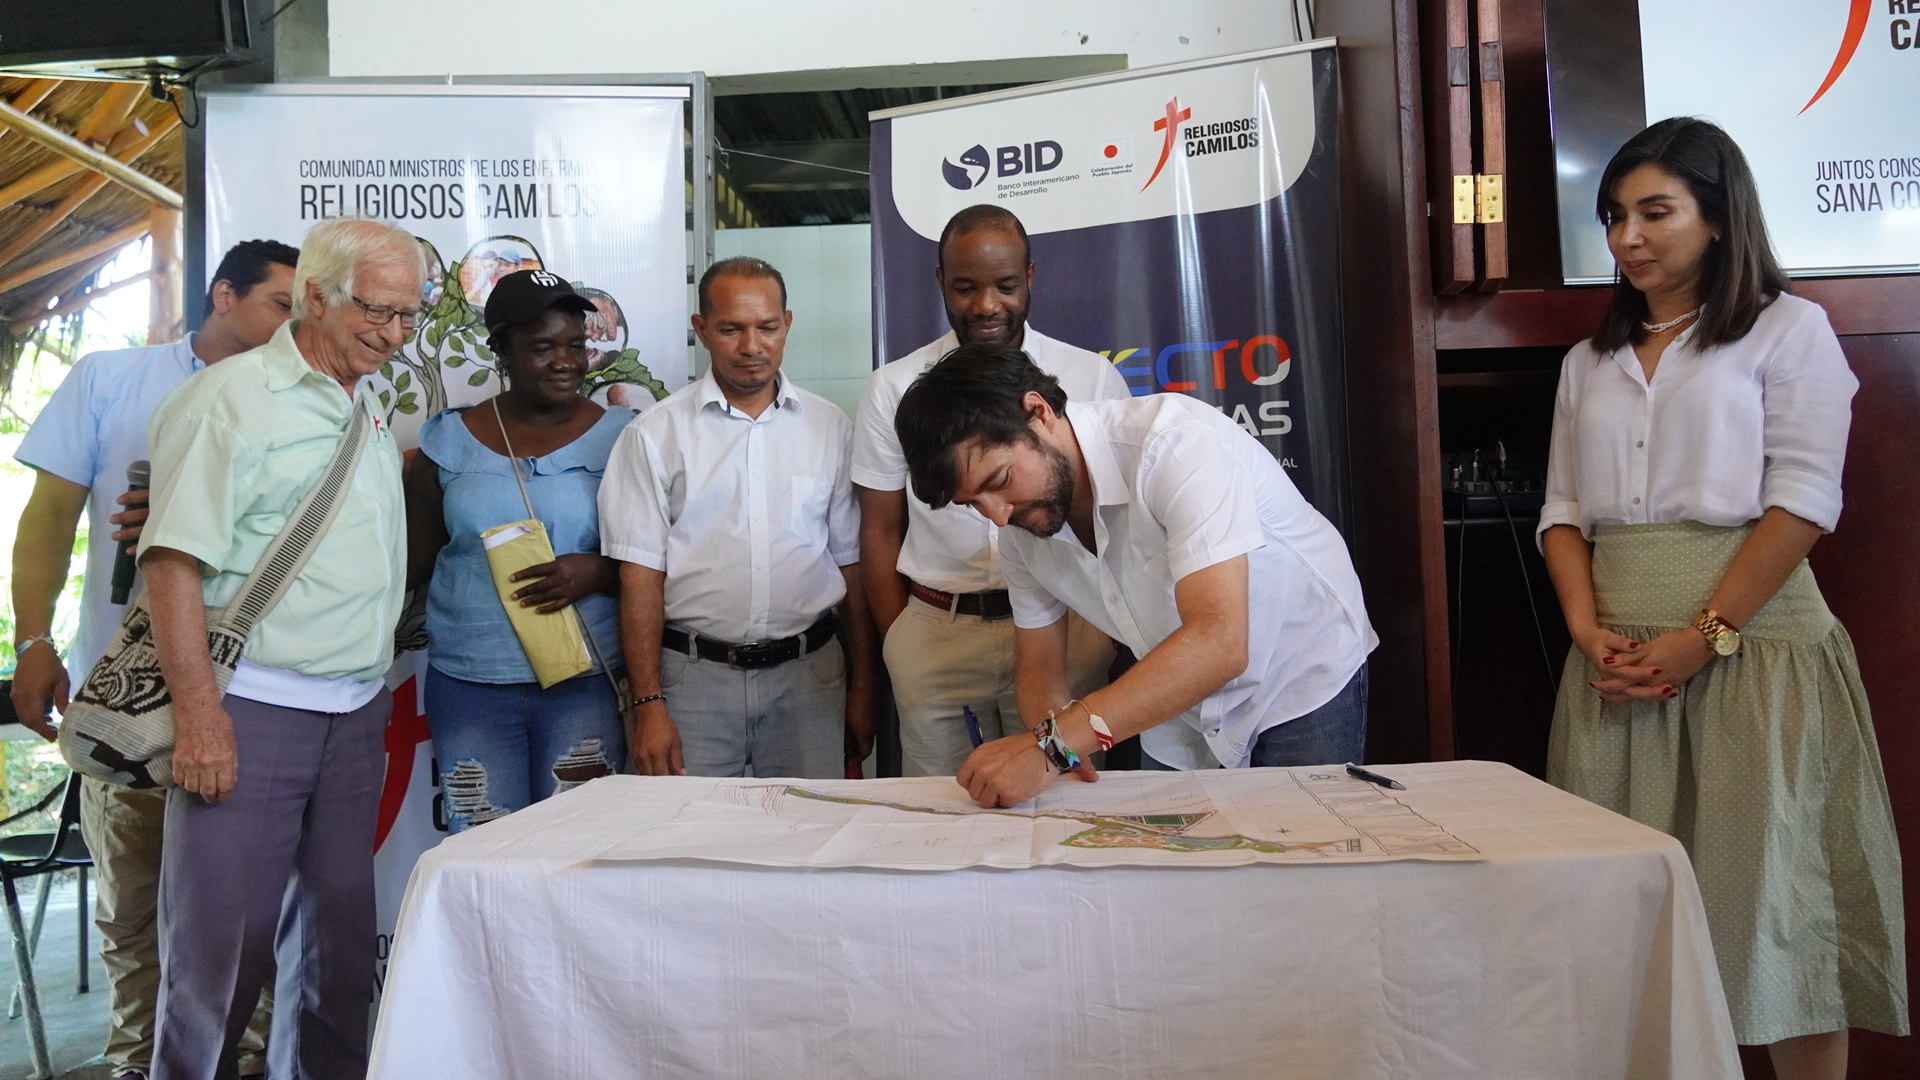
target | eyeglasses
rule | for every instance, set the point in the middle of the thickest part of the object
(381, 314)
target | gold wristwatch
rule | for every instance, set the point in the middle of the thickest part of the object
(1720, 634)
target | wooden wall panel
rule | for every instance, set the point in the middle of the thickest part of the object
(1446, 63)
(1520, 318)
(1490, 139)
(1869, 570)
(1533, 224)
(1392, 402)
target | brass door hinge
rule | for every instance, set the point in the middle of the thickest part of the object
(1463, 200)
(1491, 201)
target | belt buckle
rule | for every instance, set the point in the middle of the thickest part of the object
(742, 657)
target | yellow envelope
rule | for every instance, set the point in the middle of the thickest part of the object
(552, 641)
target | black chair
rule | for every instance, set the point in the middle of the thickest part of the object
(41, 855)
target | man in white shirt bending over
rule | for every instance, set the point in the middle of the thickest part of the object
(1169, 527)
(934, 577)
(729, 508)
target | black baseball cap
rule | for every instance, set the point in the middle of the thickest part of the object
(525, 295)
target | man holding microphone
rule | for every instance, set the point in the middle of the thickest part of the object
(80, 448)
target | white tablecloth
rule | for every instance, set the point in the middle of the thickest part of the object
(1577, 948)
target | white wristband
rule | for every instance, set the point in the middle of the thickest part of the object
(1100, 729)
(1101, 732)
(21, 648)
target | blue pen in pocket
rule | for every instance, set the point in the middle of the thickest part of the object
(973, 725)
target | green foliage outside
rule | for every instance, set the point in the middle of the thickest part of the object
(29, 766)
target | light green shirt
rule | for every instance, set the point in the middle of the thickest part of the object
(235, 448)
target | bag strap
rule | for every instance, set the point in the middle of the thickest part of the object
(273, 575)
(592, 642)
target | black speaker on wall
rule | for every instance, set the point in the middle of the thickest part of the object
(122, 39)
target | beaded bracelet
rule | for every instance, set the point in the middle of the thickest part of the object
(1055, 747)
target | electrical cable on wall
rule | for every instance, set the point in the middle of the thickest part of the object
(160, 89)
(726, 152)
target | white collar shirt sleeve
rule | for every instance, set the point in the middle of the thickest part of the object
(1718, 436)
(750, 518)
(89, 431)
(953, 549)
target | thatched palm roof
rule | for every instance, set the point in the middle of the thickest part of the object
(61, 221)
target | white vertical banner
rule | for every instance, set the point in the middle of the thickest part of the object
(587, 182)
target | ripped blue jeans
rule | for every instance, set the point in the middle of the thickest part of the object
(501, 746)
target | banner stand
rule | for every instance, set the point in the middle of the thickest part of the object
(587, 176)
(699, 172)
(1184, 222)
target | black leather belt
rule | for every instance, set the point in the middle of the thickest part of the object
(992, 604)
(753, 654)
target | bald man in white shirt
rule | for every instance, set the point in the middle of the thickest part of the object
(934, 577)
(729, 508)
(1166, 525)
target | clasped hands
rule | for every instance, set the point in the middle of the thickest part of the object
(1642, 671)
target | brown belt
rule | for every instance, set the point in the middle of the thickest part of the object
(990, 605)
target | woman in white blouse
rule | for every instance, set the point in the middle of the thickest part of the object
(1697, 447)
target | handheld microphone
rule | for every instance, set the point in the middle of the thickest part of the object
(138, 475)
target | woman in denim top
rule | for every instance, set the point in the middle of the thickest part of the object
(501, 741)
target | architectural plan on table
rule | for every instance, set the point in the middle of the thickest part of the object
(1226, 817)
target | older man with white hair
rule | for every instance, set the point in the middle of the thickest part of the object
(270, 829)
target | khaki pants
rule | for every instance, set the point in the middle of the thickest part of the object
(940, 662)
(122, 827)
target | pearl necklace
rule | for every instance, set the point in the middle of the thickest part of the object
(1661, 328)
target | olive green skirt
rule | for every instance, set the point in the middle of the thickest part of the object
(1766, 769)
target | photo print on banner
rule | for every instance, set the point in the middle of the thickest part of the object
(453, 337)
(587, 183)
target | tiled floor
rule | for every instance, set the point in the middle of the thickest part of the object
(76, 1023)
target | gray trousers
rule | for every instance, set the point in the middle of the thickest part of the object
(284, 866)
(785, 720)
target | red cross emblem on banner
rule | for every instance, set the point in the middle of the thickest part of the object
(1170, 124)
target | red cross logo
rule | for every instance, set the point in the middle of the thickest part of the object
(1849, 41)
(1170, 124)
(406, 730)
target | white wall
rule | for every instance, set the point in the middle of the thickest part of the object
(829, 275)
(747, 37)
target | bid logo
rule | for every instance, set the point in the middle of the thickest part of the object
(962, 176)
(976, 165)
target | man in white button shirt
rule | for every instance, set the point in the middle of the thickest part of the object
(80, 446)
(1169, 527)
(933, 577)
(729, 508)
